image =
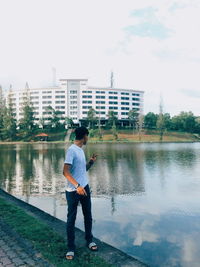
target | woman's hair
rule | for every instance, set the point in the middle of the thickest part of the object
(80, 132)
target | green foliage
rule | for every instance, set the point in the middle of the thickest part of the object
(112, 119)
(150, 120)
(114, 132)
(185, 121)
(93, 132)
(92, 118)
(26, 123)
(133, 117)
(8, 131)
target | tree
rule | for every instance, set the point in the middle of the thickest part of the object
(140, 125)
(161, 122)
(54, 117)
(185, 121)
(133, 117)
(69, 122)
(2, 106)
(197, 125)
(26, 123)
(42, 122)
(114, 132)
(8, 121)
(91, 118)
(112, 119)
(167, 120)
(150, 120)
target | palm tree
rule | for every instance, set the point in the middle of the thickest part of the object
(133, 117)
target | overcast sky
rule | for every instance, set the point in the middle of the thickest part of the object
(151, 45)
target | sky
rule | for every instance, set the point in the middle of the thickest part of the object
(150, 45)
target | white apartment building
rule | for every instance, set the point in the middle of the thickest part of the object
(74, 97)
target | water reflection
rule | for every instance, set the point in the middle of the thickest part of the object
(145, 196)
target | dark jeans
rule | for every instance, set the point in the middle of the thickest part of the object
(72, 200)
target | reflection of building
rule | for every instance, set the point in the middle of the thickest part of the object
(73, 98)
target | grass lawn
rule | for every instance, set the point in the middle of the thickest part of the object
(50, 244)
(146, 136)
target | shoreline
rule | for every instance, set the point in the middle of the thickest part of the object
(95, 142)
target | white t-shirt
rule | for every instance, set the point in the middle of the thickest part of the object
(76, 157)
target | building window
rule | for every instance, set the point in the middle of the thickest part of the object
(123, 93)
(124, 113)
(124, 98)
(86, 96)
(60, 107)
(73, 91)
(60, 92)
(124, 103)
(115, 93)
(46, 92)
(113, 97)
(124, 108)
(60, 102)
(100, 92)
(46, 102)
(60, 96)
(100, 102)
(87, 102)
(86, 107)
(113, 107)
(44, 96)
(84, 112)
(100, 96)
(136, 104)
(73, 107)
(87, 92)
(34, 97)
(73, 102)
(46, 112)
(113, 102)
(100, 107)
(100, 112)
(136, 94)
(135, 99)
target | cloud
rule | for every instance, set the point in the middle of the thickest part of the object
(147, 29)
(191, 92)
(148, 24)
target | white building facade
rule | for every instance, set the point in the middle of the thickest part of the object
(74, 97)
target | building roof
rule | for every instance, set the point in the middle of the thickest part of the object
(41, 134)
(73, 79)
(112, 88)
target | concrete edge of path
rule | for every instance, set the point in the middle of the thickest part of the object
(27, 246)
(109, 253)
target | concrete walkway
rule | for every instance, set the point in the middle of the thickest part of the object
(15, 251)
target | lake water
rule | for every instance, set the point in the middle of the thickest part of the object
(145, 197)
